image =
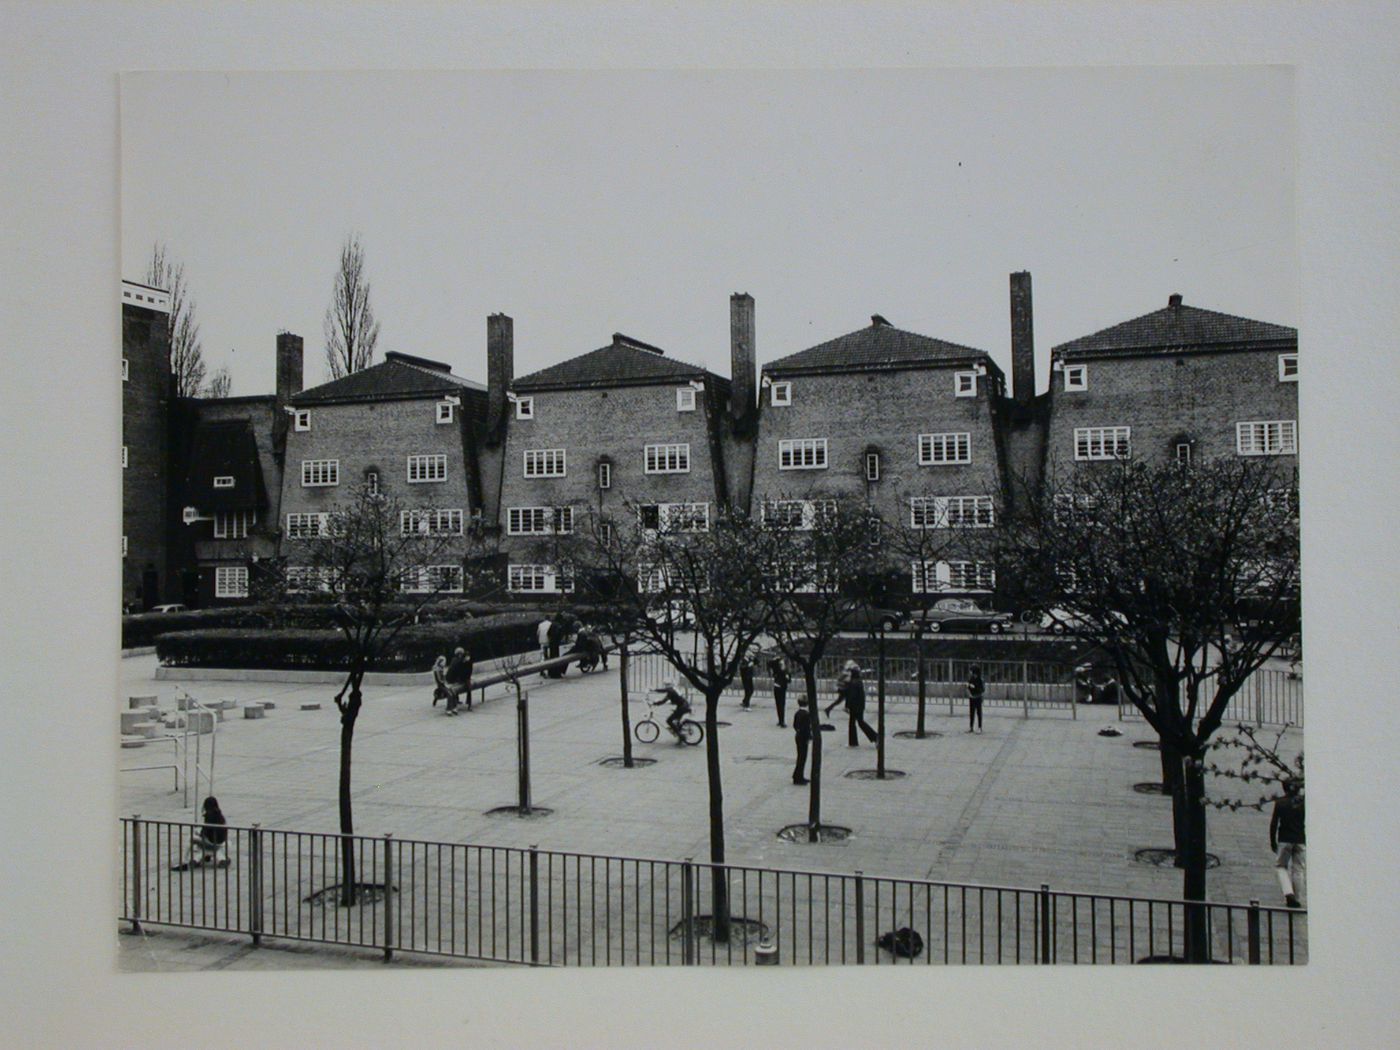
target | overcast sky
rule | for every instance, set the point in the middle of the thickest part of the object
(587, 203)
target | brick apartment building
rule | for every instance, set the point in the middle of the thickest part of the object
(148, 391)
(903, 421)
(622, 430)
(405, 427)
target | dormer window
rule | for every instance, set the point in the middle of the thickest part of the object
(444, 411)
(685, 399)
(964, 384)
(525, 408)
(223, 481)
(302, 419)
(1288, 368)
(780, 394)
(1076, 377)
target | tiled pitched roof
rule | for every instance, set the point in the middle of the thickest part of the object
(624, 362)
(879, 346)
(398, 376)
(1176, 327)
(225, 448)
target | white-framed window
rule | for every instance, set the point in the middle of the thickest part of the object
(964, 384)
(1103, 442)
(427, 468)
(537, 521)
(301, 526)
(544, 462)
(372, 482)
(1071, 507)
(318, 473)
(802, 454)
(306, 578)
(780, 394)
(123, 546)
(667, 459)
(938, 449)
(124, 457)
(524, 408)
(605, 475)
(233, 524)
(951, 512)
(539, 579)
(1273, 437)
(872, 466)
(223, 481)
(683, 517)
(444, 412)
(651, 579)
(443, 521)
(605, 533)
(301, 419)
(1287, 368)
(800, 514)
(1076, 377)
(126, 370)
(685, 399)
(1182, 451)
(432, 579)
(966, 576)
(231, 581)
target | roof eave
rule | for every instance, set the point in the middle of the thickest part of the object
(1067, 351)
(974, 358)
(527, 385)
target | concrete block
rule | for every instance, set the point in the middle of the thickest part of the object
(133, 741)
(182, 703)
(131, 719)
(145, 729)
(137, 702)
(311, 707)
(253, 711)
(268, 705)
(201, 721)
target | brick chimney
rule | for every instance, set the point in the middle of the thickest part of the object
(742, 360)
(500, 368)
(1174, 301)
(1022, 339)
(289, 366)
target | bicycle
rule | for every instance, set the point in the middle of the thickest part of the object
(648, 729)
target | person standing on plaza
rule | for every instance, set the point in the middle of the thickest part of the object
(1286, 839)
(542, 636)
(976, 690)
(779, 673)
(801, 737)
(554, 636)
(459, 680)
(439, 680)
(851, 692)
(746, 669)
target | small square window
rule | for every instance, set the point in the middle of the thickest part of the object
(605, 475)
(872, 466)
(223, 481)
(781, 393)
(1076, 377)
(1288, 368)
(444, 411)
(303, 419)
(126, 370)
(685, 399)
(1183, 453)
(372, 482)
(605, 532)
(525, 408)
(965, 384)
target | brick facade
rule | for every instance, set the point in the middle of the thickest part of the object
(147, 392)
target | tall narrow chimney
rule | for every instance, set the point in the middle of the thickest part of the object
(500, 368)
(742, 360)
(289, 366)
(1022, 339)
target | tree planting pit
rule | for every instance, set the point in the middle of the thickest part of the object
(874, 774)
(801, 833)
(742, 931)
(331, 896)
(618, 762)
(1151, 787)
(1163, 857)
(515, 811)
(912, 734)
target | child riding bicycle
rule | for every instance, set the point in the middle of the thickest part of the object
(667, 689)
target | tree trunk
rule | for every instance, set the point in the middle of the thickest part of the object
(923, 681)
(719, 876)
(348, 887)
(626, 719)
(880, 711)
(1191, 853)
(814, 714)
(1174, 785)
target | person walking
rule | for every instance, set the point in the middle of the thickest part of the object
(976, 690)
(801, 737)
(1287, 840)
(459, 680)
(746, 668)
(779, 673)
(851, 692)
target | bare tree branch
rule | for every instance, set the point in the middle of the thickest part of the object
(186, 351)
(350, 328)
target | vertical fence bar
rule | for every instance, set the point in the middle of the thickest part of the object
(136, 890)
(860, 917)
(1045, 921)
(255, 901)
(1252, 929)
(534, 905)
(388, 904)
(687, 912)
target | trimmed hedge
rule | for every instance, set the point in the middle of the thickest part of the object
(146, 628)
(319, 649)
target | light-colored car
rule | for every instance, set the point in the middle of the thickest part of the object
(1066, 621)
(960, 614)
(171, 607)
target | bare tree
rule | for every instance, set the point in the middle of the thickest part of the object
(186, 351)
(350, 328)
(1187, 578)
(220, 383)
(379, 564)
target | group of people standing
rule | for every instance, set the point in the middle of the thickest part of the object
(565, 628)
(452, 680)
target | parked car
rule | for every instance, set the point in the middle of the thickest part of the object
(873, 619)
(1066, 621)
(172, 607)
(960, 614)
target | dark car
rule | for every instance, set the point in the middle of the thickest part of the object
(960, 614)
(872, 619)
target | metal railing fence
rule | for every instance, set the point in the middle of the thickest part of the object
(540, 907)
(1268, 697)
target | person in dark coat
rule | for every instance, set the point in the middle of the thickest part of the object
(554, 638)
(459, 680)
(746, 669)
(976, 690)
(801, 737)
(212, 836)
(1287, 839)
(851, 692)
(781, 680)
